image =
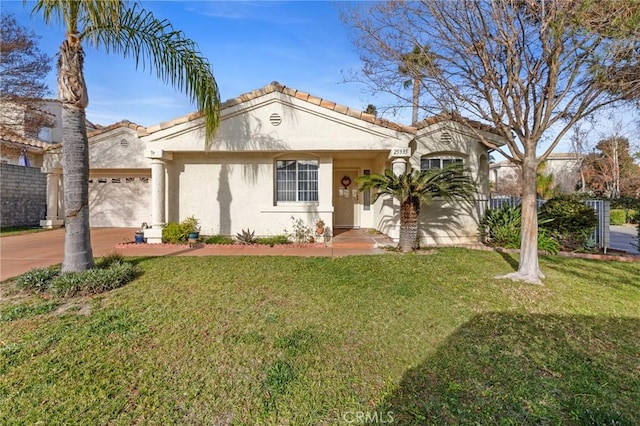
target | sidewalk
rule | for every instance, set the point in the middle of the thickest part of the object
(20, 253)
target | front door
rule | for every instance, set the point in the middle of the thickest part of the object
(346, 199)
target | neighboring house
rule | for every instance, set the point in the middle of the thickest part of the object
(279, 153)
(565, 168)
(28, 128)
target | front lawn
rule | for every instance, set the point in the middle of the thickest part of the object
(19, 230)
(413, 339)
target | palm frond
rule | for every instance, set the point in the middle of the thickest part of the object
(155, 45)
(452, 182)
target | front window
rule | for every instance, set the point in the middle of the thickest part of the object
(437, 163)
(297, 180)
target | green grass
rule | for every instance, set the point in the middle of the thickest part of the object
(19, 230)
(425, 339)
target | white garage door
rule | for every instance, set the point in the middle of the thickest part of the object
(119, 202)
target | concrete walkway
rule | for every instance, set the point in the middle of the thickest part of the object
(20, 253)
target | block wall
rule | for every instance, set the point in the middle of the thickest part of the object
(23, 196)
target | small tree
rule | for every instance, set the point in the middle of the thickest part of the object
(413, 189)
(532, 69)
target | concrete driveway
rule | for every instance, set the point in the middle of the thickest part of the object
(623, 238)
(20, 253)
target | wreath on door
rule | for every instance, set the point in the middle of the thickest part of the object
(346, 181)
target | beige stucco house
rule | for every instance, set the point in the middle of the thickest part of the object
(279, 153)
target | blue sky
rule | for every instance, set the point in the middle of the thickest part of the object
(300, 44)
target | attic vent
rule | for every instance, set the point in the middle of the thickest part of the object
(446, 138)
(124, 143)
(275, 119)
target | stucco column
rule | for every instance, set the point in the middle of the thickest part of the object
(53, 219)
(399, 158)
(399, 166)
(158, 194)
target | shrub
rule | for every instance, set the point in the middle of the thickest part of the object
(37, 279)
(631, 215)
(569, 220)
(190, 224)
(116, 275)
(618, 217)
(547, 243)
(67, 284)
(110, 273)
(177, 233)
(218, 239)
(501, 228)
(275, 240)
(108, 260)
(172, 233)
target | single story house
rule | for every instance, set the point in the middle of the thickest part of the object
(279, 154)
(564, 167)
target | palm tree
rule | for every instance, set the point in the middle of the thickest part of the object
(413, 64)
(132, 32)
(413, 189)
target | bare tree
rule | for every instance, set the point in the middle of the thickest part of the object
(523, 66)
(579, 145)
(610, 171)
(23, 70)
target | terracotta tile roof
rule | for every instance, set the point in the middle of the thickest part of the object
(457, 118)
(124, 123)
(277, 87)
(14, 139)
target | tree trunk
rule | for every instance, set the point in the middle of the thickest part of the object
(529, 268)
(78, 255)
(409, 214)
(416, 100)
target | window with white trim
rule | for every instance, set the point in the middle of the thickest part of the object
(297, 181)
(438, 163)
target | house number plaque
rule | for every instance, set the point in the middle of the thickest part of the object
(401, 152)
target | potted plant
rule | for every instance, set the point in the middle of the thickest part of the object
(191, 227)
(320, 227)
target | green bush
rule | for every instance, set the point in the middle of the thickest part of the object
(569, 220)
(274, 240)
(219, 239)
(631, 215)
(547, 243)
(501, 228)
(618, 217)
(110, 273)
(173, 233)
(37, 279)
(93, 281)
(178, 233)
(625, 203)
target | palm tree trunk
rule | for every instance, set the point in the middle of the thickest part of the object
(416, 100)
(409, 214)
(78, 255)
